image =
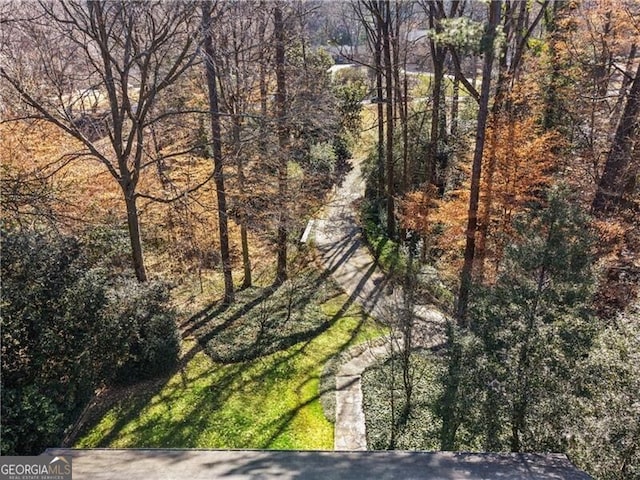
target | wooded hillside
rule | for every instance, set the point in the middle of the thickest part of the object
(156, 156)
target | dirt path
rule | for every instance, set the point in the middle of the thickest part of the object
(339, 241)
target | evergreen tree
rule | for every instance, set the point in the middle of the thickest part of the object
(529, 331)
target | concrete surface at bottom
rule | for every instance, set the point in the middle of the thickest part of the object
(170, 464)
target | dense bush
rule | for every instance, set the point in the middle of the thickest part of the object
(50, 321)
(342, 151)
(387, 252)
(64, 333)
(107, 246)
(322, 158)
(147, 329)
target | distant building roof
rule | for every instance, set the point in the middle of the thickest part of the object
(142, 464)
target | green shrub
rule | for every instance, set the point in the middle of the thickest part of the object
(64, 334)
(514, 375)
(31, 420)
(342, 151)
(107, 246)
(52, 357)
(386, 251)
(146, 326)
(322, 158)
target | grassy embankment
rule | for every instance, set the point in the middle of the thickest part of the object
(270, 399)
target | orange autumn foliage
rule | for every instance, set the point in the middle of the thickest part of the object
(524, 160)
(415, 209)
(36, 154)
(519, 162)
(451, 215)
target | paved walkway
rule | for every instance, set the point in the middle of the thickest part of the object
(350, 433)
(338, 239)
(343, 251)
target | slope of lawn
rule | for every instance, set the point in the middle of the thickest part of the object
(269, 400)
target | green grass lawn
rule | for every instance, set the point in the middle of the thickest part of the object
(268, 402)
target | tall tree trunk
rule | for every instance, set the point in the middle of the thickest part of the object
(438, 56)
(483, 112)
(617, 170)
(401, 88)
(405, 131)
(380, 106)
(552, 114)
(218, 171)
(626, 81)
(455, 102)
(262, 81)
(133, 224)
(386, 47)
(486, 203)
(238, 106)
(283, 140)
(490, 159)
(244, 240)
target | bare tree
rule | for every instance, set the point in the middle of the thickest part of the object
(438, 58)
(122, 57)
(218, 169)
(483, 113)
(367, 14)
(377, 18)
(283, 141)
(241, 46)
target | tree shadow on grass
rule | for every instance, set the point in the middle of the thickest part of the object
(190, 425)
(130, 400)
(283, 317)
(294, 303)
(205, 318)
